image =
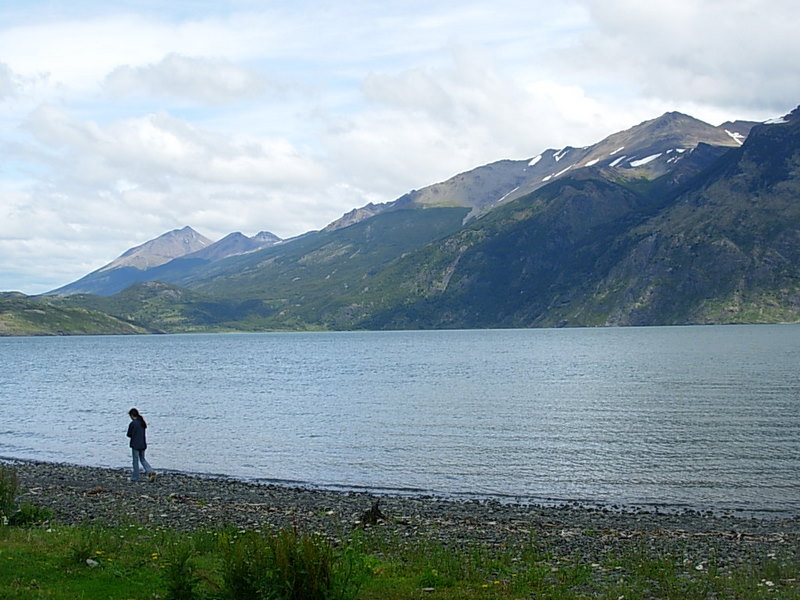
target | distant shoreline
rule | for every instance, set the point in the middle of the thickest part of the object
(103, 496)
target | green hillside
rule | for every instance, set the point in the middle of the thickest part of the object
(310, 282)
(20, 315)
(518, 264)
(318, 280)
(724, 248)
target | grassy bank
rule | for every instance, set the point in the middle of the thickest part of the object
(67, 562)
(41, 556)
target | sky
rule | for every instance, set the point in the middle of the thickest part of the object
(120, 121)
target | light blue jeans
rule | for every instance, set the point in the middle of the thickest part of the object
(138, 456)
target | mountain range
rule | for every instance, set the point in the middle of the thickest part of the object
(145, 262)
(673, 221)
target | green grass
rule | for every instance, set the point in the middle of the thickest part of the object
(133, 562)
(41, 560)
(24, 316)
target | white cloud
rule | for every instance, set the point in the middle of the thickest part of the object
(7, 84)
(464, 113)
(157, 148)
(113, 186)
(211, 80)
(704, 52)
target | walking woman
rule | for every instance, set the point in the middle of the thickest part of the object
(136, 431)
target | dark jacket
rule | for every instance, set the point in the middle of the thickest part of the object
(136, 433)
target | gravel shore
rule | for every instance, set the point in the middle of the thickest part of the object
(102, 496)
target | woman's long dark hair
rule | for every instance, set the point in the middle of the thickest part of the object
(135, 414)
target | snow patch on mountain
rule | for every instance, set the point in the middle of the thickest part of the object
(508, 194)
(736, 136)
(645, 160)
(617, 161)
(560, 173)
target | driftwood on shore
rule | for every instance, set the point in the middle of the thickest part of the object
(106, 496)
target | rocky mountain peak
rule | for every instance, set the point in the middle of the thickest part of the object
(266, 237)
(649, 149)
(233, 244)
(164, 248)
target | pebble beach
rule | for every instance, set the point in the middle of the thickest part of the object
(106, 497)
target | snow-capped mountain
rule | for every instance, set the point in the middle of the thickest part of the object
(671, 142)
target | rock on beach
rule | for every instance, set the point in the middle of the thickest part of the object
(103, 496)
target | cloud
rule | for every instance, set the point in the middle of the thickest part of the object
(130, 180)
(7, 83)
(207, 80)
(154, 149)
(140, 51)
(723, 54)
(427, 124)
(47, 237)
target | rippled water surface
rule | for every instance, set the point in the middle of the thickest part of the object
(704, 417)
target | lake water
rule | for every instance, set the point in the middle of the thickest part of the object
(698, 417)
